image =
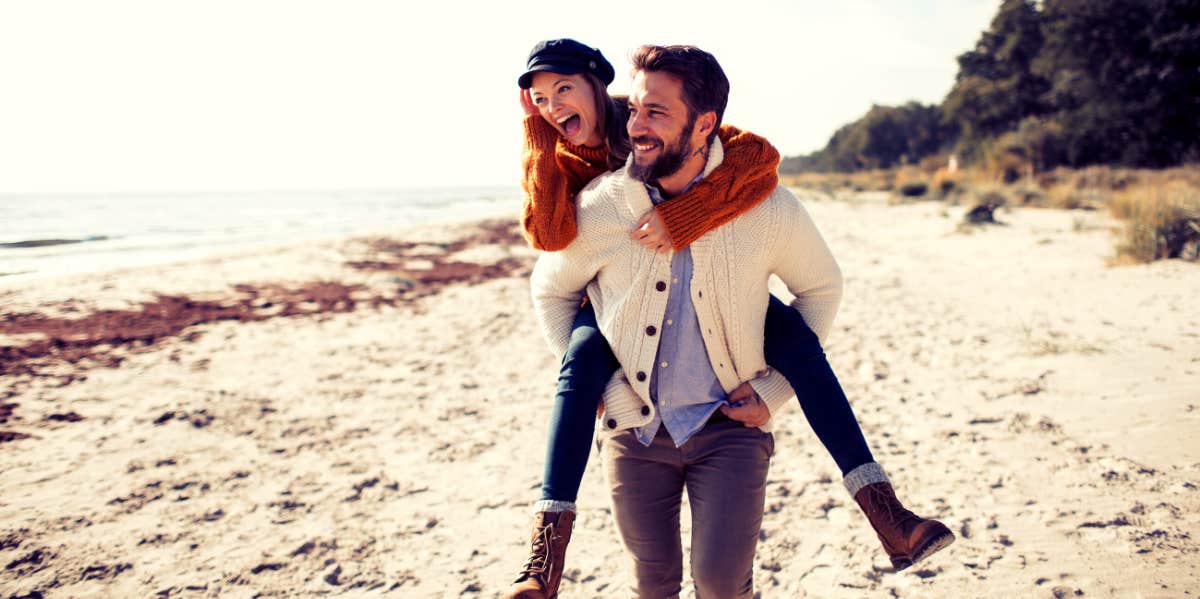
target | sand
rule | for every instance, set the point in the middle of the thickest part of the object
(388, 442)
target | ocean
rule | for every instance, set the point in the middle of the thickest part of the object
(49, 235)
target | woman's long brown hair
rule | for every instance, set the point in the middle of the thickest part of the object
(612, 114)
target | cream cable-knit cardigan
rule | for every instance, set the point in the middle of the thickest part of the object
(628, 284)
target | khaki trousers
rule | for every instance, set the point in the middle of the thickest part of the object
(724, 469)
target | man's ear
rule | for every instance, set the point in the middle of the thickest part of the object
(705, 123)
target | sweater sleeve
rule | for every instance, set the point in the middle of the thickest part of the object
(745, 178)
(555, 171)
(549, 211)
(807, 267)
(802, 260)
(557, 284)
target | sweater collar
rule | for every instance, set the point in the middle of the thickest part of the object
(588, 154)
(636, 196)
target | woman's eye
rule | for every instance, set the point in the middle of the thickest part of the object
(539, 100)
(564, 89)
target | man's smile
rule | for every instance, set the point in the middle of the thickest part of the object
(644, 144)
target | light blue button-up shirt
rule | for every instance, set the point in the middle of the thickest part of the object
(683, 385)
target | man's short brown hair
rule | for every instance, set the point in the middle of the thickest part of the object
(705, 87)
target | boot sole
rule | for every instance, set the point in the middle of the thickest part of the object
(937, 544)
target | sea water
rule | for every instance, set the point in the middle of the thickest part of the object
(44, 235)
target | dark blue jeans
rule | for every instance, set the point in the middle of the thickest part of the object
(790, 347)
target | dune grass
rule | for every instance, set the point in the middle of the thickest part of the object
(1161, 208)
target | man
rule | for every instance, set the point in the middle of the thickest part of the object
(692, 405)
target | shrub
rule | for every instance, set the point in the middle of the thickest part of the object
(933, 163)
(1070, 197)
(910, 182)
(1001, 164)
(1164, 221)
(945, 182)
(1028, 196)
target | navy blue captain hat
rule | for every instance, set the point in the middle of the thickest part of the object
(566, 56)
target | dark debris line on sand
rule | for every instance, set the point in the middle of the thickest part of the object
(68, 347)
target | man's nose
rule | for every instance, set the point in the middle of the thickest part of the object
(635, 123)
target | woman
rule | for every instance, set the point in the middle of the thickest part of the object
(574, 132)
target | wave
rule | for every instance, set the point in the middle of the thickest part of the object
(39, 243)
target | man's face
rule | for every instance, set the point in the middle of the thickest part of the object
(660, 126)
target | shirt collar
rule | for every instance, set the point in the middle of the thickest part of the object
(656, 195)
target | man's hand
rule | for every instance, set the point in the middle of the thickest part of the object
(651, 232)
(527, 103)
(746, 406)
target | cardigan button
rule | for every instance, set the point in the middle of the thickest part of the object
(641, 376)
(645, 410)
(661, 286)
(650, 330)
(611, 423)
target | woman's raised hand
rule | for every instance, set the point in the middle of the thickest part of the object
(651, 232)
(527, 103)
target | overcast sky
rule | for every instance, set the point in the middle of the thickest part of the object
(291, 94)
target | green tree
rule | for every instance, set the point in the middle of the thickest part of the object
(996, 88)
(1073, 82)
(1125, 78)
(884, 137)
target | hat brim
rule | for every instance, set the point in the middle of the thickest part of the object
(526, 79)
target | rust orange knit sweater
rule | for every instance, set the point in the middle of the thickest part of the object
(556, 170)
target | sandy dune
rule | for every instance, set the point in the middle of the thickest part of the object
(1042, 402)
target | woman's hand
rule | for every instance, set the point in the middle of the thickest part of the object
(651, 232)
(746, 406)
(527, 104)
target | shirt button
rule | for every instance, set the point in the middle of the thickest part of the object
(660, 286)
(645, 410)
(670, 322)
(675, 280)
(641, 376)
(650, 330)
(611, 423)
(663, 364)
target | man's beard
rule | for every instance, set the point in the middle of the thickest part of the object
(671, 160)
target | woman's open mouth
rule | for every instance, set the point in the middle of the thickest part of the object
(570, 125)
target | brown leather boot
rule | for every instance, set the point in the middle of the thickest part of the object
(543, 570)
(906, 537)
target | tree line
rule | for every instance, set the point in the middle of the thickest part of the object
(1055, 82)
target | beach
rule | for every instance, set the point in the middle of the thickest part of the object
(365, 416)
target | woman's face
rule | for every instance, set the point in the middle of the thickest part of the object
(568, 103)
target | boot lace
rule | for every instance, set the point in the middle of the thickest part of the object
(885, 503)
(540, 560)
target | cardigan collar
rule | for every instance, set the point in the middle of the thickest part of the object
(636, 196)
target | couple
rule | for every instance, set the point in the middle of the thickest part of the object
(671, 224)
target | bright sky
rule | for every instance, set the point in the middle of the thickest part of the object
(164, 95)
